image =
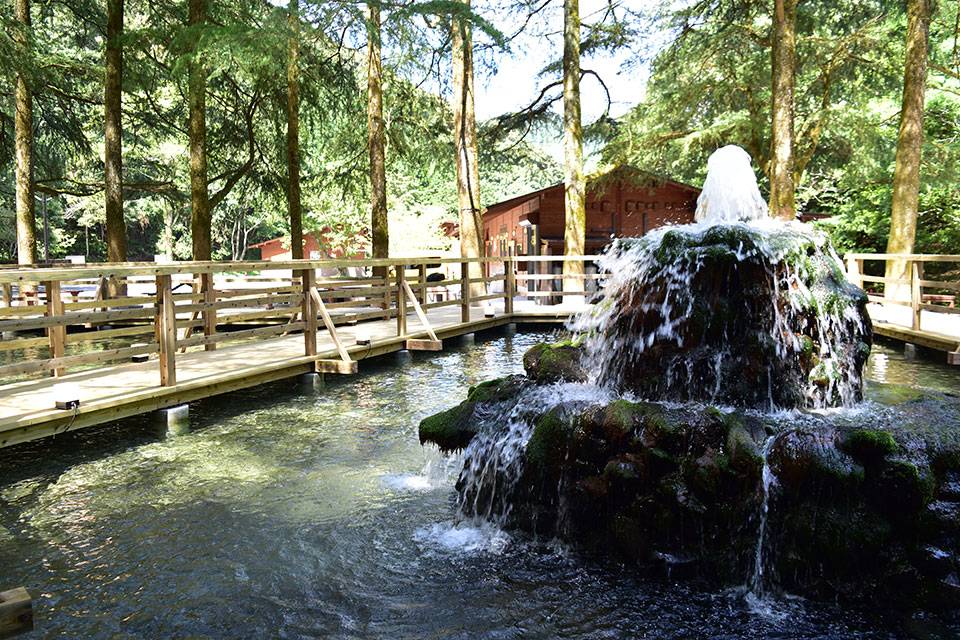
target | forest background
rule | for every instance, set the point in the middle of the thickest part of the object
(698, 75)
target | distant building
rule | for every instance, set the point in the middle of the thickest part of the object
(624, 203)
(278, 249)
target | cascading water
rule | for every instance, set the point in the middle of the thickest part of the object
(699, 423)
(767, 483)
(736, 309)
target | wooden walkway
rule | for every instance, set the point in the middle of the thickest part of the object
(922, 311)
(27, 409)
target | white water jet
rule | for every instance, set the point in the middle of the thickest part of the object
(730, 192)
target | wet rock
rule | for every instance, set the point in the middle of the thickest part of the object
(452, 430)
(558, 362)
(694, 319)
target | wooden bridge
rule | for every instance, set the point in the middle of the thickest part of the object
(919, 309)
(73, 357)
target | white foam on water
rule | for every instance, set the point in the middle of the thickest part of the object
(462, 538)
(408, 482)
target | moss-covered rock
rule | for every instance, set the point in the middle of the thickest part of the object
(452, 429)
(869, 446)
(498, 389)
(558, 362)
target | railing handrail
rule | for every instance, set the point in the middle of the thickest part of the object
(919, 257)
(12, 274)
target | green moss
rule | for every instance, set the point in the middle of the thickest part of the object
(903, 489)
(745, 454)
(869, 446)
(560, 361)
(496, 390)
(620, 417)
(451, 429)
(547, 446)
(480, 391)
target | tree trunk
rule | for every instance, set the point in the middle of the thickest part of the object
(113, 146)
(168, 219)
(23, 132)
(465, 145)
(783, 68)
(380, 235)
(293, 135)
(906, 177)
(200, 215)
(574, 193)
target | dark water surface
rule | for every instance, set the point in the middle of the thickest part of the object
(284, 515)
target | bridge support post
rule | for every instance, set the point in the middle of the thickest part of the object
(510, 283)
(916, 274)
(464, 292)
(308, 288)
(16, 612)
(401, 301)
(172, 421)
(310, 383)
(209, 315)
(58, 333)
(166, 331)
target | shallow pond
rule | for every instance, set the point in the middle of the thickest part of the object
(286, 515)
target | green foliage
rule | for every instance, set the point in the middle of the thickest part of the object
(243, 49)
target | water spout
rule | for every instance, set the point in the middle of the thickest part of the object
(730, 192)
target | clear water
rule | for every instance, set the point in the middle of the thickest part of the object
(282, 515)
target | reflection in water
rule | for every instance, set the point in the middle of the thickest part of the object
(889, 363)
(302, 516)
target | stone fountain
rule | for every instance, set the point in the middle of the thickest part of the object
(707, 421)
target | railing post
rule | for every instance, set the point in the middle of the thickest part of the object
(853, 272)
(209, 315)
(510, 283)
(465, 291)
(916, 273)
(7, 294)
(166, 331)
(308, 279)
(422, 283)
(401, 302)
(57, 334)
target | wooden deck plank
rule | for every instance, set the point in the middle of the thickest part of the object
(107, 393)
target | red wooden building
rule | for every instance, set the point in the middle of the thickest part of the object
(314, 248)
(624, 203)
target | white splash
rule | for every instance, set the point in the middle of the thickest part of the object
(462, 537)
(730, 192)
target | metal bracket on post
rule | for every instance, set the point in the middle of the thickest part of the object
(434, 343)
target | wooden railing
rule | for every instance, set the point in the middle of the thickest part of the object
(915, 291)
(170, 308)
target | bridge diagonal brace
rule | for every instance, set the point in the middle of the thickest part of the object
(434, 343)
(328, 323)
(953, 357)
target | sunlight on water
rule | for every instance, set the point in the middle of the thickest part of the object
(298, 516)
